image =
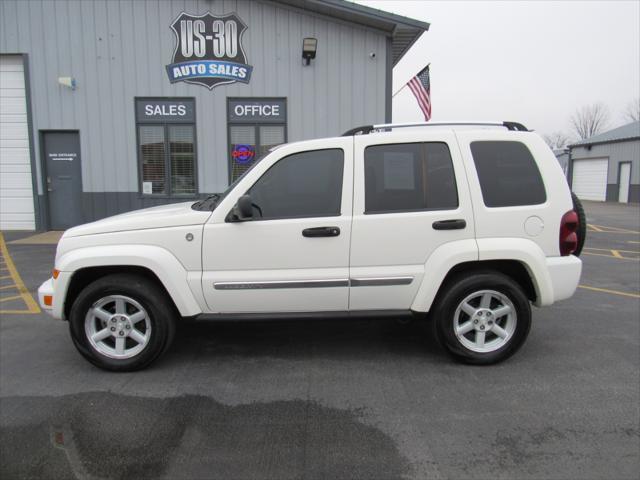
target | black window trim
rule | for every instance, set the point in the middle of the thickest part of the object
(167, 155)
(535, 164)
(259, 219)
(411, 210)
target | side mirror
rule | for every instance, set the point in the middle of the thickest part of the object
(245, 207)
(242, 211)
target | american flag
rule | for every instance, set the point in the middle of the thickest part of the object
(420, 85)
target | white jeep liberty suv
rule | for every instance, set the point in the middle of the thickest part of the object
(469, 223)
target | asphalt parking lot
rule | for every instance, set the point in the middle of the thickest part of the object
(362, 399)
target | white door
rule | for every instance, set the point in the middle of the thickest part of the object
(625, 179)
(16, 193)
(410, 197)
(294, 255)
(590, 179)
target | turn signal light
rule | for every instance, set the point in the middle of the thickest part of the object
(56, 273)
(568, 235)
(48, 300)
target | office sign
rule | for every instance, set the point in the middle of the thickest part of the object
(152, 110)
(209, 50)
(257, 110)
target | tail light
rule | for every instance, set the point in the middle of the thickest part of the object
(568, 235)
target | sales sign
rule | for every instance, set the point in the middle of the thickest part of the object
(162, 110)
(209, 50)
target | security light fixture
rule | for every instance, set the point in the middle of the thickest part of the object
(309, 47)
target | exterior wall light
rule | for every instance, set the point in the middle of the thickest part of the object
(309, 47)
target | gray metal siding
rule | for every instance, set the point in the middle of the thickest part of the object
(616, 152)
(118, 50)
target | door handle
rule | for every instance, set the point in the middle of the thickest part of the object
(321, 232)
(458, 224)
(49, 189)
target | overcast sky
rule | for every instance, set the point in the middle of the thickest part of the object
(533, 62)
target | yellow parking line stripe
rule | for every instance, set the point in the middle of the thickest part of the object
(611, 256)
(616, 254)
(31, 304)
(613, 292)
(5, 287)
(4, 277)
(611, 250)
(607, 229)
(632, 241)
(6, 299)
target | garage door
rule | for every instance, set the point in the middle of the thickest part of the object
(590, 179)
(16, 194)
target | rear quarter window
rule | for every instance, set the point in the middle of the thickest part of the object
(508, 174)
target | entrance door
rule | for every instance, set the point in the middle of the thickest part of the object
(61, 152)
(625, 179)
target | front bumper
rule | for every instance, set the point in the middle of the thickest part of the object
(57, 289)
(46, 289)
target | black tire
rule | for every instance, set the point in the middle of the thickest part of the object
(461, 287)
(161, 315)
(582, 223)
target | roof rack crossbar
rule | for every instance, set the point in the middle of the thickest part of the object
(366, 129)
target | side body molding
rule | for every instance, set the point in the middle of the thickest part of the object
(160, 261)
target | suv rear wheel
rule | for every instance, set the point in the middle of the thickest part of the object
(121, 322)
(483, 318)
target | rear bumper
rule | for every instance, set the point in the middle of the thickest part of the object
(565, 275)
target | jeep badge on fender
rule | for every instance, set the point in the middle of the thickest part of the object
(209, 50)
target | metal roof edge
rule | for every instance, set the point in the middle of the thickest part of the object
(375, 12)
(586, 144)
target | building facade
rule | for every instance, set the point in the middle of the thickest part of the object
(606, 167)
(113, 106)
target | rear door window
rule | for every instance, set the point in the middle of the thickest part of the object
(508, 174)
(405, 177)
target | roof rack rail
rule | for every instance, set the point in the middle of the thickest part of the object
(366, 129)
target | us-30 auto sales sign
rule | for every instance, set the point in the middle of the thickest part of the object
(209, 50)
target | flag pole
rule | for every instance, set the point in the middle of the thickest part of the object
(402, 88)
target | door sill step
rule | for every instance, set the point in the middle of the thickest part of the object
(355, 315)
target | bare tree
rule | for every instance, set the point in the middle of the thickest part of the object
(557, 140)
(632, 111)
(590, 120)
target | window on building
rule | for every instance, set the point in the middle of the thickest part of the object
(508, 174)
(166, 146)
(255, 126)
(307, 184)
(407, 177)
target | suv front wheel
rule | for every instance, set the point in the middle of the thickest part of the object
(121, 322)
(483, 318)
